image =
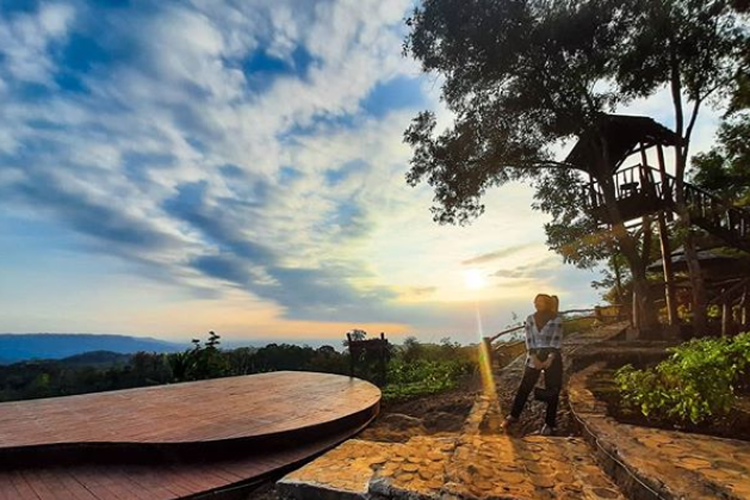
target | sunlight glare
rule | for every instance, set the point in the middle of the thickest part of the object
(474, 279)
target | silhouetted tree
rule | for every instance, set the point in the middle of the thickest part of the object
(694, 48)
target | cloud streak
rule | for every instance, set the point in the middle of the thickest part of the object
(498, 254)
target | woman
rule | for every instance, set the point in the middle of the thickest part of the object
(543, 342)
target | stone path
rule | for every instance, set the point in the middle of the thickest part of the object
(477, 463)
(662, 463)
(465, 467)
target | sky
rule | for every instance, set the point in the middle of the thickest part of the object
(173, 167)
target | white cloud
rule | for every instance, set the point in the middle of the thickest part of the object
(26, 38)
(170, 155)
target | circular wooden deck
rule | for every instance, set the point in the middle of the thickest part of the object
(178, 440)
(211, 410)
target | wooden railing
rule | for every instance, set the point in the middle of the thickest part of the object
(737, 294)
(648, 191)
(601, 313)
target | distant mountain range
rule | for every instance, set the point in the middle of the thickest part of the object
(23, 346)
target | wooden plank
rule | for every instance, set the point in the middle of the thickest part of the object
(23, 490)
(216, 409)
(220, 409)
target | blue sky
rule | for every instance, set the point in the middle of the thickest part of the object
(172, 167)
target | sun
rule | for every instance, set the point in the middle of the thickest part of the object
(474, 279)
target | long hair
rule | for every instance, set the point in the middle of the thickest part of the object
(553, 303)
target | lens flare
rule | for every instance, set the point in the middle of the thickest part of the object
(474, 279)
(485, 362)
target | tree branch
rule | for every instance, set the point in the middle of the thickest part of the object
(691, 123)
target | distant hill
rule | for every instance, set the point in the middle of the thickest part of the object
(23, 346)
(96, 359)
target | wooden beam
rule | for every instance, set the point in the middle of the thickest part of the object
(666, 259)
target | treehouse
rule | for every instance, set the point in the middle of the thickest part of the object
(629, 194)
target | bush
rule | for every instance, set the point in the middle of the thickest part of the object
(696, 382)
(422, 377)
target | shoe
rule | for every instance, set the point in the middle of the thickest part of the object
(509, 420)
(547, 430)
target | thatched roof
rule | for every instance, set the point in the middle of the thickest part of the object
(624, 134)
(717, 262)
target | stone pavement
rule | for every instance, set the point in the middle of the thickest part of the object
(657, 463)
(467, 466)
(477, 463)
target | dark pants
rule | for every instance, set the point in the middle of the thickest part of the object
(552, 380)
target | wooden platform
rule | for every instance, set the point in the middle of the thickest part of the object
(176, 441)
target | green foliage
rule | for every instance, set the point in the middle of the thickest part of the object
(96, 372)
(725, 169)
(694, 384)
(414, 369)
(519, 76)
(423, 377)
(574, 325)
(419, 369)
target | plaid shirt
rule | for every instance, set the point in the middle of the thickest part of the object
(549, 337)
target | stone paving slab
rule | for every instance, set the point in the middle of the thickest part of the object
(481, 467)
(661, 463)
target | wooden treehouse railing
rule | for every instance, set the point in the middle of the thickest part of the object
(640, 190)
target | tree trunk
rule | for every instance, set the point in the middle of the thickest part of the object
(618, 280)
(681, 147)
(646, 313)
(684, 223)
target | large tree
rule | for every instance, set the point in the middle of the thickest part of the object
(694, 48)
(522, 75)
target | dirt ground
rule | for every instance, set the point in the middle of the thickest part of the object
(430, 415)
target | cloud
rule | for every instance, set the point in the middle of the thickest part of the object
(497, 255)
(26, 39)
(533, 269)
(244, 149)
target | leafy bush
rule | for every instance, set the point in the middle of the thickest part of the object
(422, 377)
(695, 383)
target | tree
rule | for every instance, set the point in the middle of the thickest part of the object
(694, 47)
(523, 75)
(520, 77)
(725, 169)
(355, 334)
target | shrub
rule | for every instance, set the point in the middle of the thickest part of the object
(695, 383)
(421, 377)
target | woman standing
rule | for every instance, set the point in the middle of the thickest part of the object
(543, 341)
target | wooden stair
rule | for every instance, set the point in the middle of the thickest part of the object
(641, 190)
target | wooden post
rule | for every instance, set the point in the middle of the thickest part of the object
(643, 171)
(666, 259)
(666, 189)
(487, 344)
(382, 361)
(666, 251)
(351, 354)
(726, 316)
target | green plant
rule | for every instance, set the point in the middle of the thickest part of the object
(422, 377)
(694, 384)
